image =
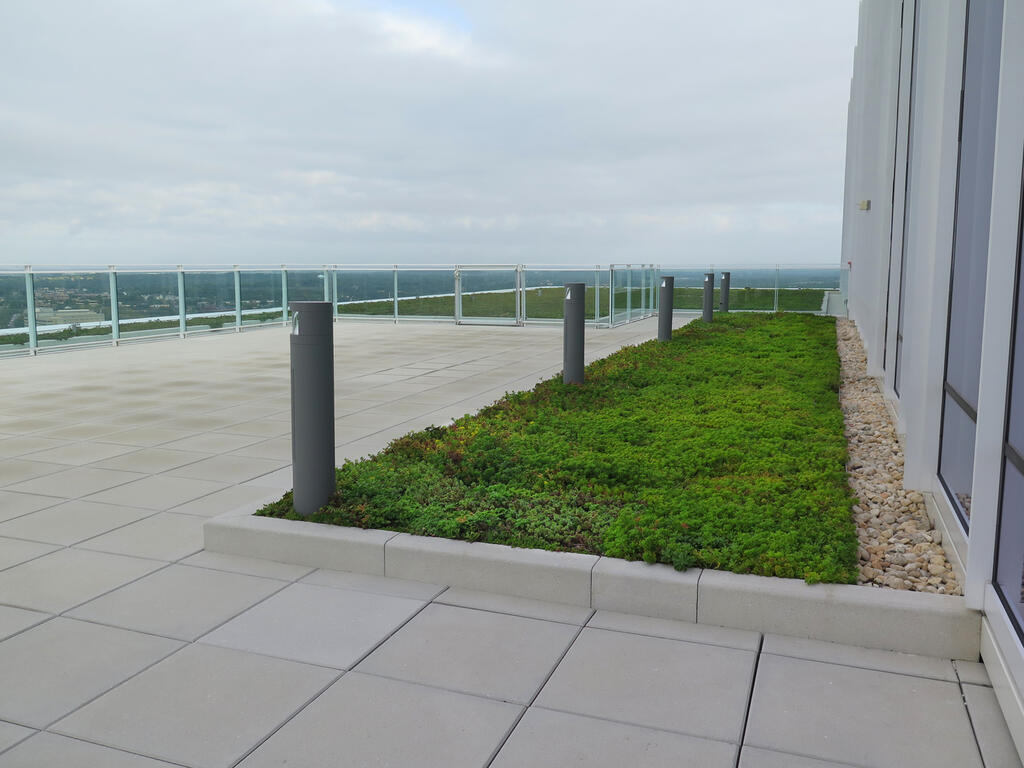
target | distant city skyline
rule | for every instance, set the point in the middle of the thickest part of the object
(318, 132)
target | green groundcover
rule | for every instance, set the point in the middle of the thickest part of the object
(722, 448)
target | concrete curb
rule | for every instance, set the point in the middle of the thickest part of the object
(911, 622)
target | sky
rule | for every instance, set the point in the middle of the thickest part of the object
(138, 132)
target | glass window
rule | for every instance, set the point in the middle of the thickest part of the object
(914, 73)
(970, 250)
(1010, 568)
(956, 457)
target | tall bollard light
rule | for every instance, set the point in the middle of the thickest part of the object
(572, 333)
(666, 295)
(312, 358)
(723, 303)
(709, 296)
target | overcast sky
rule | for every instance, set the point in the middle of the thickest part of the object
(472, 131)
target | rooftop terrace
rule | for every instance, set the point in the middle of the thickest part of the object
(127, 644)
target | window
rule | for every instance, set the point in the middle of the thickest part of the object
(1009, 568)
(970, 252)
(914, 73)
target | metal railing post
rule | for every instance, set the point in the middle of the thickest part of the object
(312, 399)
(238, 300)
(776, 307)
(182, 318)
(655, 277)
(520, 298)
(597, 294)
(30, 310)
(284, 295)
(709, 297)
(572, 332)
(629, 292)
(115, 324)
(395, 291)
(665, 302)
(334, 292)
(458, 295)
(611, 297)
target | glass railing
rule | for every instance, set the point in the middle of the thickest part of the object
(44, 309)
(772, 288)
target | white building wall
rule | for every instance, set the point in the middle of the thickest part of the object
(877, 163)
(929, 235)
(871, 137)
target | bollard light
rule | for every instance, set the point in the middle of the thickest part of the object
(312, 364)
(709, 296)
(724, 301)
(666, 296)
(572, 333)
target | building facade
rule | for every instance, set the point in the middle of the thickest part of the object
(932, 241)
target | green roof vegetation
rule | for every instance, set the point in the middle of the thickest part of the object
(722, 448)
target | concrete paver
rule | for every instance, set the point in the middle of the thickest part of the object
(375, 721)
(70, 522)
(46, 750)
(825, 710)
(178, 601)
(14, 620)
(213, 706)
(629, 690)
(17, 504)
(654, 682)
(162, 536)
(316, 625)
(63, 579)
(40, 685)
(989, 727)
(487, 654)
(11, 734)
(549, 739)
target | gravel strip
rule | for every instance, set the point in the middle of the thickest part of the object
(899, 547)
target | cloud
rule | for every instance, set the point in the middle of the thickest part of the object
(308, 130)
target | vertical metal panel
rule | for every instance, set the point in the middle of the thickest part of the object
(115, 329)
(30, 310)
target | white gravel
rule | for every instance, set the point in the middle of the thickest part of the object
(899, 546)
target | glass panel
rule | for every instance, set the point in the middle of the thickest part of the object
(209, 300)
(426, 293)
(689, 289)
(1010, 572)
(1015, 430)
(803, 290)
(914, 74)
(545, 291)
(72, 308)
(261, 297)
(488, 294)
(13, 318)
(974, 198)
(956, 455)
(305, 285)
(366, 293)
(618, 296)
(147, 303)
(636, 294)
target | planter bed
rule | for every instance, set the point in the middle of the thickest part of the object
(722, 449)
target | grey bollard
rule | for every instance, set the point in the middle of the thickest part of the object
(312, 359)
(666, 296)
(572, 333)
(723, 303)
(709, 296)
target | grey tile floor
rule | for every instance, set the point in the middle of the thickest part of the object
(123, 643)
